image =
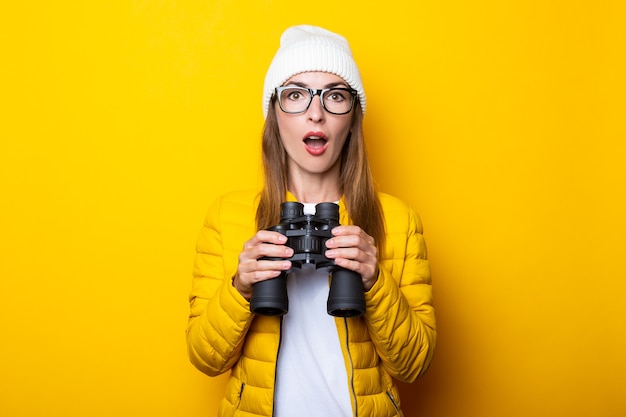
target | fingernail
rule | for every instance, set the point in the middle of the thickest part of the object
(282, 238)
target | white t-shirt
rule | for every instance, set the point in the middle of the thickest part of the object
(311, 377)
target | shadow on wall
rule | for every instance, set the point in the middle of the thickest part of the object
(438, 389)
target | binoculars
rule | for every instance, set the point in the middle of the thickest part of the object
(307, 236)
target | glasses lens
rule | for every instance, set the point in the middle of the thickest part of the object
(294, 99)
(338, 100)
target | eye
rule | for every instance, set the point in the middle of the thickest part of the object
(294, 94)
(337, 95)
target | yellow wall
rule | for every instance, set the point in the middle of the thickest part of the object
(500, 121)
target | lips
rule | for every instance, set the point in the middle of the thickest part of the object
(315, 143)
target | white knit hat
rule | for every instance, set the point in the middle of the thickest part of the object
(308, 48)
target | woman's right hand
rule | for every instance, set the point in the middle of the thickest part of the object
(252, 268)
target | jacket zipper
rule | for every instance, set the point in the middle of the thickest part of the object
(352, 390)
(280, 341)
(395, 404)
(243, 386)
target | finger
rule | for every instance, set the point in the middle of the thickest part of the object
(352, 231)
(267, 236)
(266, 265)
(346, 230)
(367, 271)
(349, 264)
(257, 275)
(256, 248)
(267, 250)
(352, 254)
(244, 281)
(345, 242)
(349, 230)
(254, 271)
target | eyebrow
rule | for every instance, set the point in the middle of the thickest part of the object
(331, 85)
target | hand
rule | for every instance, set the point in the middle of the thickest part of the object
(353, 249)
(251, 269)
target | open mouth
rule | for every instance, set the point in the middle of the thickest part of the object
(315, 142)
(315, 145)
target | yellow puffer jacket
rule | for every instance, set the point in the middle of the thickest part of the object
(395, 338)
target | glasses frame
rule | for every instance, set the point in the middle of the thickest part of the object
(313, 93)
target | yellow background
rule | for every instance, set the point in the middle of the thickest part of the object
(501, 122)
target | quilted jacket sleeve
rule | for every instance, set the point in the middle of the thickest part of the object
(400, 315)
(220, 316)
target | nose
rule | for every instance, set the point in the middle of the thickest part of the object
(316, 111)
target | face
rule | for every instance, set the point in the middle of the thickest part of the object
(314, 139)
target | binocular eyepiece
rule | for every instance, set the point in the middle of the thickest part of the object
(307, 236)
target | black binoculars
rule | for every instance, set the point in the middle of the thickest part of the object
(307, 236)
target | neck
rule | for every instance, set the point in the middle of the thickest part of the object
(315, 189)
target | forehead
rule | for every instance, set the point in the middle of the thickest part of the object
(316, 79)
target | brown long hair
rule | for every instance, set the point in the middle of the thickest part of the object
(355, 178)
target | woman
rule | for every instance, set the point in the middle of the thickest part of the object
(306, 362)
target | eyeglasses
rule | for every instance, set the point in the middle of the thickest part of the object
(336, 100)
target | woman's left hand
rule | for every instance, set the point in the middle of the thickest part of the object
(352, 248)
